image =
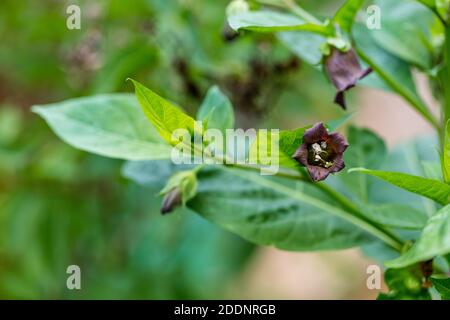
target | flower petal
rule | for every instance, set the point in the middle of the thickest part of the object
(317, 173)
(317, 133)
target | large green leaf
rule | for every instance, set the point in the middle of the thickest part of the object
(443, 287)
(405, 31)
(404, 284)
(434, 241)
(433, 189)
(109, 125)
(268, 213)
(346, 14)
(272, 21)
(216, 111)
(165, 116)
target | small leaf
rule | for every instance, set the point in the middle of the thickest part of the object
(109, 125)
(433, 189)
(162, 114)
(345, 16)
(434, 241)
(443, 287)
(216, 110)
(272, 21)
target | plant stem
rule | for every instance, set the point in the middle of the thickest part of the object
(293, 7)
(302, 13)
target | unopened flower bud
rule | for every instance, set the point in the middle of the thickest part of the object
(171, 200)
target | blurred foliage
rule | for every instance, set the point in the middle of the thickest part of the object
(59, 206)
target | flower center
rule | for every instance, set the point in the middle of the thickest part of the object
(319, 154)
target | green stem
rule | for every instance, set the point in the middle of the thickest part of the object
(410, 97)
(444, 78)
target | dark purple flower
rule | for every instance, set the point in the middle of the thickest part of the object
(344, 70)
(321, 152)
(172, 200)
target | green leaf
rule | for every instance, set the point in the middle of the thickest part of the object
(109, 125)
(429, 3)
(446, 155)
(346, 14)
(261, 150)
(268, 213)
(395, 72)
(405, 31)
(272, 21)
(442, 286)
(396, 216)
(216, 111)
(165, 116)
(433, 189)
(335, 124)
(404, 284)
(434, 241)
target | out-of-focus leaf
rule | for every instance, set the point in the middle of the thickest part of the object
(272, 21)
(395, 72)
(164, 116)
(434, 241)
(303, 44)
(404, 284)
(109, 125)
(216, 111)
(443, 287)
(433, 189)
(152, 173)
(446, 155)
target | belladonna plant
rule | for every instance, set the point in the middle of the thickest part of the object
(400, 219)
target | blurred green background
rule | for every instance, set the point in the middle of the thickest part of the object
(60, 206)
